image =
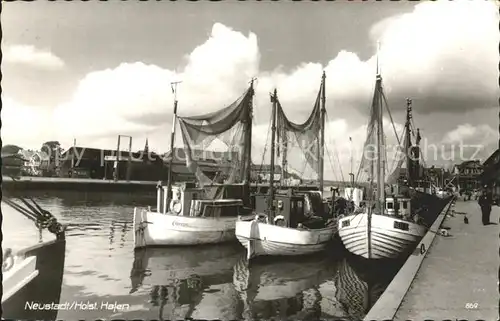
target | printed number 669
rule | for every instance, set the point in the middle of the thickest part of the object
(471, 305)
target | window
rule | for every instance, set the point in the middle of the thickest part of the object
(401, 226)
(390, 205)
(299, 204)
(405, 205)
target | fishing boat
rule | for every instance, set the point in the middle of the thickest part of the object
(390, 225)
(289, 222)
(33, 275)
(184, 282)
(203, 213)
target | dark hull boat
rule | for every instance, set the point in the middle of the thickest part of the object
(32, 277)
(32, 287)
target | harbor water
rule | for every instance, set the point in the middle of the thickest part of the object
(104, 278)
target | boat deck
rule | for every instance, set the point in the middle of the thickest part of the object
(458, 277)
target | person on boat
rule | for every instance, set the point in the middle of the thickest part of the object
(485, 201)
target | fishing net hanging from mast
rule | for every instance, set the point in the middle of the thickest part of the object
(399, 168)
(369, 153)
(305, 136)
(204, 136)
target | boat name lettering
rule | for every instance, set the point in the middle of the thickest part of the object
(401, 225)
(176, 223)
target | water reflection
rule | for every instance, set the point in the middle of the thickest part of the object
(282, 287)
(209, 282)
(187, 282)
(360, 283)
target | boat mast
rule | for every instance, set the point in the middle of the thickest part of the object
(351, 174)
(172, 141)
(376, 104)
(380, 144)
(248, 145)
(408, 147)
(284, 160)
(271, 209)
(321, 162)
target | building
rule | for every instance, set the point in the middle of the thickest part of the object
(262, 173)
(12, 160)
(213, 164)
(439, 176)
(37, 163)
(24, 161)
(467, 174)
(104, 164)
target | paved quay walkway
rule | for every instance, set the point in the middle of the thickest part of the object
(458, 278)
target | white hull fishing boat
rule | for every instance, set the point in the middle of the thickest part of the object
(187, 214)
(33, 274)
(264, 239)
(388, 227)
(288, 222)
(190, 221)
(389, 237)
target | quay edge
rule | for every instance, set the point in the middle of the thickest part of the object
(99, 185)
(389, 302)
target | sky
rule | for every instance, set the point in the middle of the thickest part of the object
(92, 70)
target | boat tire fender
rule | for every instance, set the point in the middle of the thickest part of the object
(261, 217)
(175, 206)
(422, 249)
(280, 220)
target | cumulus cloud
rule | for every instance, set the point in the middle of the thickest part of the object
(443, 55)
(27, 126)
(29, 55)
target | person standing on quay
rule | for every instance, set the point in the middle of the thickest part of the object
(485, 201)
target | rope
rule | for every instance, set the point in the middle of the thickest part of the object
(337, 154)
(264, 152)
(390, 117)
(42, 218)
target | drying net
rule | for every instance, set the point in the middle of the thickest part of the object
(402, 169)
(369, 153)
(305, 136)
(221, 137)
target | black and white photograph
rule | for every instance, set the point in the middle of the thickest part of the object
(250, 160)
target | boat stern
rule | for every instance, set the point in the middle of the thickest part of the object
(243, 233)
(140, 226)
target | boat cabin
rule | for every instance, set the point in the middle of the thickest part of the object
(398, 206)
(190, 200)
(423, 186)
(293, 208)
(354, 194)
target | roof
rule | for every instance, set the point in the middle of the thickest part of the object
(493, 159)
(43, 155)
(265, 168)
(95, 153)
(10, 149)
(209, 156)
(470, 164)
(26, 154)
